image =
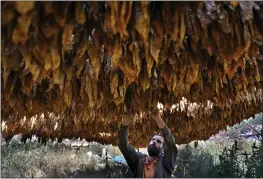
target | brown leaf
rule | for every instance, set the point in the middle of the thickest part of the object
(80, 12)
(24, 7)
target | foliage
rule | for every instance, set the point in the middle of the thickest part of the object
(228, 165)
(232, 162)
(223, 156)
(189, 160)
(51, 160)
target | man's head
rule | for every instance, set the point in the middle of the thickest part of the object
(155, 147)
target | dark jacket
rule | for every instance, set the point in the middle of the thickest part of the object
(166, 162)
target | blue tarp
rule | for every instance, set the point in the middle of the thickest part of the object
(119, 159)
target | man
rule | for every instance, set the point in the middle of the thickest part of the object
(162, 151)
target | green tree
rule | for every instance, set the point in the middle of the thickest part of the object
(228, 165)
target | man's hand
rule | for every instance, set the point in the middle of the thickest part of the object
(156, 116)
(127, 118)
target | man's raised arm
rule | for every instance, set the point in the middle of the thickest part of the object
(170, 150)
(127, 150)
